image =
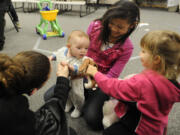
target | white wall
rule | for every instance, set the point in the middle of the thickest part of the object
(172, 3)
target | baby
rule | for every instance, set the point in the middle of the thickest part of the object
(73, 54)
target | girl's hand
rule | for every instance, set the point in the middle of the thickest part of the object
(91, 70)
(63, 69)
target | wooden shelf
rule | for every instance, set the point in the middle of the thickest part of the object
(154, 5)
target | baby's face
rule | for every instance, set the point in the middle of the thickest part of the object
(79, 47)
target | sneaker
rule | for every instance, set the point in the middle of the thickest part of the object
(75, 113)
(18, 25)
(68, 107)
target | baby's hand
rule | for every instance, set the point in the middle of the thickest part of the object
(64, 63)
(50, 58)
(71, 67)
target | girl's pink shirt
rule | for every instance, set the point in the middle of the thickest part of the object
(120, 63)
(153, 94)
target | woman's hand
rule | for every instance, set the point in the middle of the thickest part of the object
(91, 70)
(71, 67)
(63, 69)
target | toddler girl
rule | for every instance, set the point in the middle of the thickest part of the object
(146, 99)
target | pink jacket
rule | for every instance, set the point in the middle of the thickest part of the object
(154, 95)
(110, 61)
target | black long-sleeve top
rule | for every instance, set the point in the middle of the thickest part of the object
(51, 118)
(17, 118)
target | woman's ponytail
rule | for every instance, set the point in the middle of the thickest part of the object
(11, 76)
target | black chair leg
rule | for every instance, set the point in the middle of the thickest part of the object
(13, 21)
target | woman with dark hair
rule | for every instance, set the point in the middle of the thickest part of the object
(23, 75)
(111, 48)
(50, 118)
(15, 117)
(34, 64)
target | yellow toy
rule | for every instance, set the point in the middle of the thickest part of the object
(48, 16)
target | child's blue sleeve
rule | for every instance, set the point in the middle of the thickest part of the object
(75, 69)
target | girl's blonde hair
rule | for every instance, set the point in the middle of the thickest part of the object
(166, 45)
(77, 33)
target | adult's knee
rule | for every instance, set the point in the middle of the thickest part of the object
(92, 111)
(93, 121)
(90, 115)
(93, 117)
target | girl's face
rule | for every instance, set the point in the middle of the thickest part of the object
(146, 58)
(118, 27)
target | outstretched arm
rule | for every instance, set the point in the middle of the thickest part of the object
(62, 87)
(53, 110)
(127, 90)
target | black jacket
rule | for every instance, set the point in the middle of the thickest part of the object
(51, 119)
(17, 118)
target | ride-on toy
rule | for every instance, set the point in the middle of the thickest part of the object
(48, 16)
